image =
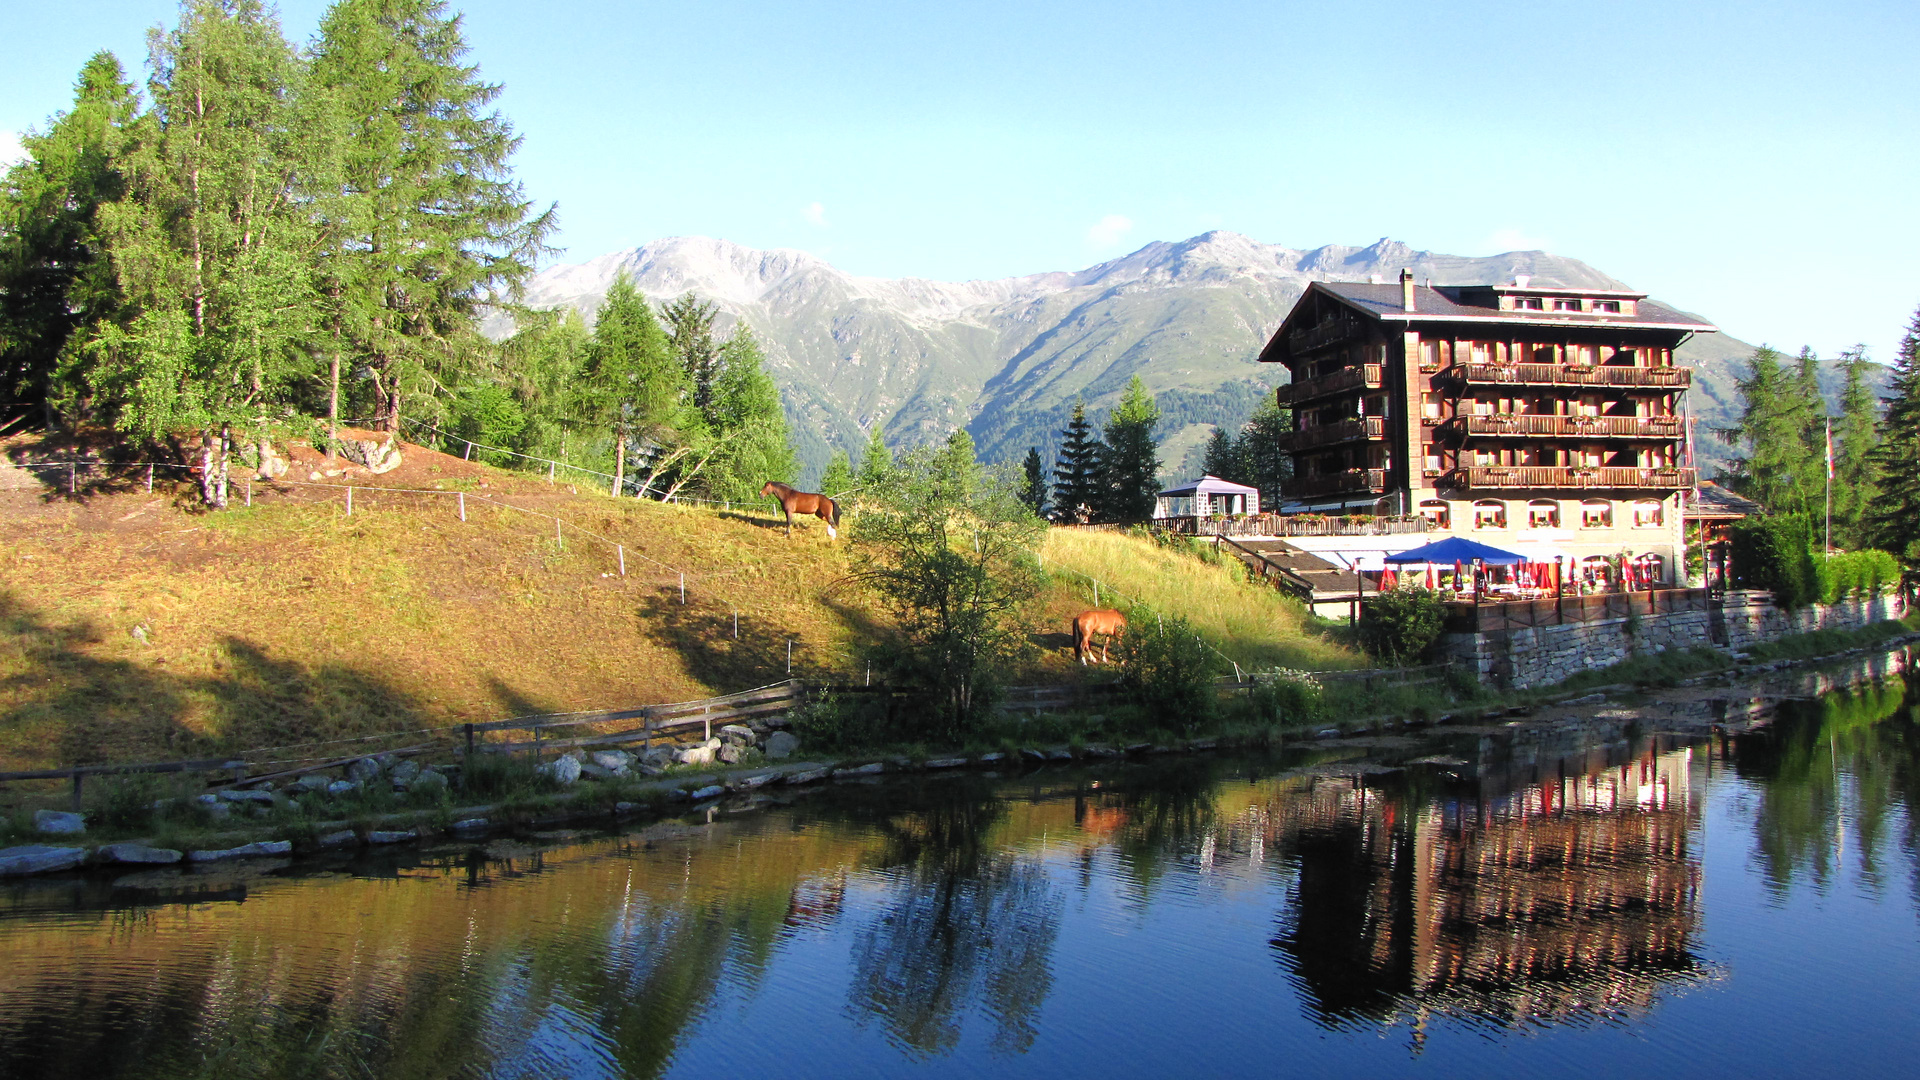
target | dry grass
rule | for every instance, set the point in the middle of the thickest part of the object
(1254, 625)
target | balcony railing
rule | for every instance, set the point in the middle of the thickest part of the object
(1491, 477)
(1670, 378)
(1292, 525)
(1617, 427)
(1357, 377)
(1353, 480)
(1306, 438)
(1305, 339)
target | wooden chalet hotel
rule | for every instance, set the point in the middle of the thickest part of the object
(1539, 420)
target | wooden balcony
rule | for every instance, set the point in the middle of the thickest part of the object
(1500, 477)
(1306, 438)
(1569, 427)
(1353, 481)
(1662, 378)
(1346, 380)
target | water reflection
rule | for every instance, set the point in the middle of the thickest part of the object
(1530, 878)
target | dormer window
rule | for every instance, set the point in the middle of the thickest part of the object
(1566, 305)
(1607, 307)
(1527, 303)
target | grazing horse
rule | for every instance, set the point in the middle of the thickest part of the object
(1104, 621)
(804, 502)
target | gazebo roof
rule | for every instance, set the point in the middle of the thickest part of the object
(1208, 485)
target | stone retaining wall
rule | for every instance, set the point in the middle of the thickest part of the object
(1543, 655)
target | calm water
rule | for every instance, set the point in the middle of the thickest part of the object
(1620, 899)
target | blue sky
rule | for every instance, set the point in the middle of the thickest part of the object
(1755, 162)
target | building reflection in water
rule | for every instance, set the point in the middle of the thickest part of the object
(1569, 898)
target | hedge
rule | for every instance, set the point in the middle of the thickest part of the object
(1776, 553)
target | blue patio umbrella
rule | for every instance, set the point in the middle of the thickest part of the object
(1456, 549)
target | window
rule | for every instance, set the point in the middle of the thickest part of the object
(1649, 569)
(1437, 513)
(1527, 303)
(1566, 305)
(1596, 514)
(1607, 307)
(1489, 514)
(1543, 514)
(1648, 513)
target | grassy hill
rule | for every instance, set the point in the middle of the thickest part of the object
(135, 626)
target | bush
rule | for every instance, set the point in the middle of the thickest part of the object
(1167, 669)
(1289, 698)
(1775, 553)
(834, 722)
(1855, 573)
(1399, 624)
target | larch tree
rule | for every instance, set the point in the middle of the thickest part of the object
(214, 244)
(1856, 433)
(876, 461)
(1892, 520)
(56, 282)
(429, 225)
(1077, 497)
(1260, 442)
(629, 384)
(837, 480)
(1131, 462)
(747, 423)
(1772, 432)
(689, 323)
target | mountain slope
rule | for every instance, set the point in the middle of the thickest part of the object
(1007, 359)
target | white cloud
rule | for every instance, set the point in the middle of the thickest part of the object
(10, 148)
(1109, 230)
(1505, 240)
(815, 213)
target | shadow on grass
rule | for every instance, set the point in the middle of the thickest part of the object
(706, 640)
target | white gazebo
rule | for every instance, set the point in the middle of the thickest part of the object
(1207, 497)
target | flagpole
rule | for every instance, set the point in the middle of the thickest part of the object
(1829, 485)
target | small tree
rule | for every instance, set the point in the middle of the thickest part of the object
(1892, 520)
(876, 463)
(1399, 624)
(1131, 463)
(1855, 431)
(1076, 475)
(838, 479)
(1167, 669)
(1034, 491)
(951, 548)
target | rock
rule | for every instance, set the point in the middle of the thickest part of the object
(312, 782)
(564, 771)
(343, 838)
(781, 745)
(1098, 751)
(1327, 733)
(273, 465)
(1203, 744)
(403, 773)
(711, 791)
(694, 755)
(739, 734)
(1060, 755)
(862, 770)
(378, 837)
(209, 800)
(342, 787)
(659, 757)
(469, 824)
(39, 859)
(428, 780)
(626, 807)
(218, 811)
(135, 854)
(377, 456)
(612, 759)
(751, 781)
(1034, 755)
(946, 763)
(728, 754)
(1139, 747)
(265, 798)
(58, 822)
(244, 851)
(595, 772)
(807, 776)
(1587, 700)
(363, 770)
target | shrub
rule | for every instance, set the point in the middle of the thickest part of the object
(1775, 553)
(1167, 669)
(1855, 573)
(834, 722)
(1399, 624)
(1289, 698)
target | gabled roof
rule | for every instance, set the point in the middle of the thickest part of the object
(1457, 304)
(1710, 500)
(1208, 485)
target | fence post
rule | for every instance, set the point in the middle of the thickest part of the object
(469, 742)
(622, 549)
(73, 472)
(468, 456)
(249, 491)
(463, 506)
(78, 779)
(789, 656)
(536, 744)
(558, 543)
(683, 590)
(149, 477)
(550, 473)
(736, 624)
(349, 501)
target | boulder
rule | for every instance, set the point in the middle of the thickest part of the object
(564, 771)
(594, 772)
(378, 456)
(469, 824)
(244, 851)
(728, 754)
(343, 787)
(738, 734)
(265, 798)
(700, 754)
(945, 763)
(781, 745)
(363, 770)
(428, 780)
(711, 791)
(343, 838)
(808, 776)
(378, 837)
(403, 773)
(312, 782)
(39, 859)
(612, 759)
(135, 854)
(862, 770)
(58, 822)
(658, 757)
(273, 464)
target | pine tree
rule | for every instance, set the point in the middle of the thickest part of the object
(1076, 473)
(1893, 519)
(1807, 409)
(428, 224)
(838, 479)
(543, 362)
(1226, 457)
(1034, 491)
(630, 387)
(1856, 433)
(1269, 466)
(213, 245)
(1131, 464)
(55, 284)
(876, 463)
(690, 328)
(745, 418)
(1773, 431)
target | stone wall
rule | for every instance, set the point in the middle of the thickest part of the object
(1522, 657)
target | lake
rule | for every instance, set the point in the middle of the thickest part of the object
(1628, 891)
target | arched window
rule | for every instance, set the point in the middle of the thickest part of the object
(1489, 514)
(1543, 514)
(1649, 512)
(1438, 514)
(1596, 514)
(1650, 569)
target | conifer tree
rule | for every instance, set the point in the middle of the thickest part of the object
(213, 245)
(690, 328)
(1130, 465)
(838, 478)
(630, 386)
(543, 362)
(876, 463)
(1773, 430)
(1226, 456)
(55, 281)
(1033, 490)
(1269, 466)
(1856, 433)
(1076, 473)
(428, 224)
(1893, 519)
(747, 422)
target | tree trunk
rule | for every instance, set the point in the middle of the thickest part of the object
(213, 467)
(333, 401)
(620, 465)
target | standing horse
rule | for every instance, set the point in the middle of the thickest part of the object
(1104, 621)
(804, 502)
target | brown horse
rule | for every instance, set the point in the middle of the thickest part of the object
(1104, 621)
(804, 502)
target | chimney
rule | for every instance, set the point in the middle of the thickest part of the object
(1520, 280)
(1406, 289)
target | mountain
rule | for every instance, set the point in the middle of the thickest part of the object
(1006, 359)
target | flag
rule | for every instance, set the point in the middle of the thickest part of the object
(1829, 449)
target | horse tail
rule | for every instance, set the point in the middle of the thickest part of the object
(833, 507)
